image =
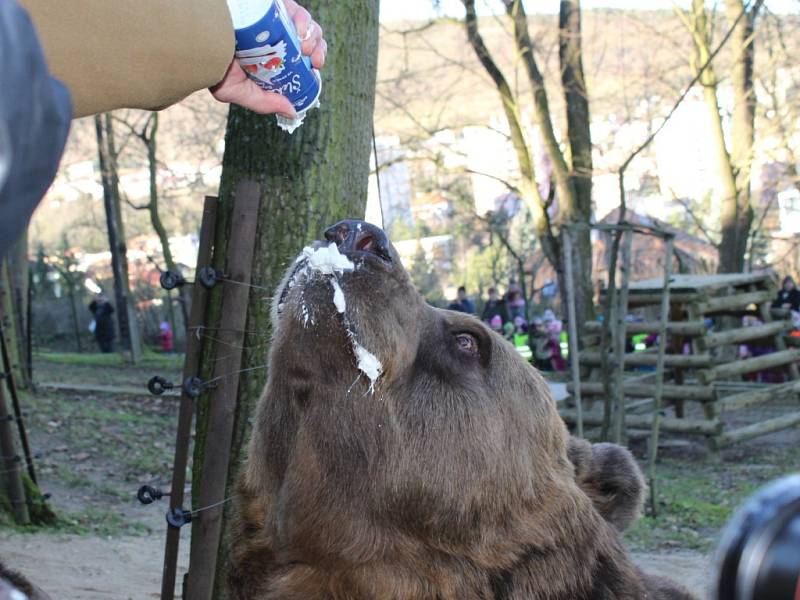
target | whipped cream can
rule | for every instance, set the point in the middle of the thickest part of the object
(268, 49)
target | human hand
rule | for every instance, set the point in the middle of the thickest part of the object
(237, 88)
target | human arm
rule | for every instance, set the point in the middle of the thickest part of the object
(152, 53)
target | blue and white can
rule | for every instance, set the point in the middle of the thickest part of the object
(268, 49)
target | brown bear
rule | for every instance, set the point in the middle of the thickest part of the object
(402, 452)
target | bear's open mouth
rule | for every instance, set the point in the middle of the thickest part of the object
(319, 261)
(355, 242)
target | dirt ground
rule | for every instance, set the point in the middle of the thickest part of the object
(76, 567)
(96, 449)
(72, 567)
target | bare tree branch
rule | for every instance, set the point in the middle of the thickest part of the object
(675, 107)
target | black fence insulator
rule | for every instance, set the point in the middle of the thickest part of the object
(4, 374)
(14, 457)
(158, 385)
(170, 280)
(148, 494)
(209, 276)
(178, 517)
(194, 386)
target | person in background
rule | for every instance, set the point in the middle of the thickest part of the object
(521, 337)
(553, 329)
(788, 296)
(102, 310)
(462, 303)
(542, 346)
(496, 323)
(515, 301)
(165, 337)
(495, 306)
(520, 326)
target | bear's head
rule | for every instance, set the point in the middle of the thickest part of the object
(450, 429)
(404, 451)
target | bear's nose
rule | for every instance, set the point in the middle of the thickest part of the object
(353, 235)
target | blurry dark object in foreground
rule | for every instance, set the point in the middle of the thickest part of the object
(759, 555)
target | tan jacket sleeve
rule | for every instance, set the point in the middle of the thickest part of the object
(133, 53)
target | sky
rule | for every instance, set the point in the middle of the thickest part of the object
(396, 10)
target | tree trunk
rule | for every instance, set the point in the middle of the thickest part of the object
(572, 174)
(733, 165)
(579, 137)
(528, 189)
(10, 324)
(311, 179)
(736, 232)
(73, 305)
(150, 139)
(128, 328)
(541, 106)
(19, 276)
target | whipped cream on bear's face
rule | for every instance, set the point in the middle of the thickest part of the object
(327, 260)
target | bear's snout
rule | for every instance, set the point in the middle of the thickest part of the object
(353, 236)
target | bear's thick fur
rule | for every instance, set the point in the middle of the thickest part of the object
(449, 479)
(612, 479)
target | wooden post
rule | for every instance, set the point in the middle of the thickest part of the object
(748, 365)
(758, 396)
(746, 334)
(703, 427)
(11, 333)
(609, 319)
(659, 384)
(11, 462)
(206, 530)
(699, 349)
(687, 328)
(638, 300)
(649, 359)
(757, 429)
(620, 338)
(11, 382)
(186, 411)
(734, 302)
(574, 360)
(700, 393)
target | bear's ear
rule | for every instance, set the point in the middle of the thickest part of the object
(610, 476)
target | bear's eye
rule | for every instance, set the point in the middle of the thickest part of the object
(467, 343)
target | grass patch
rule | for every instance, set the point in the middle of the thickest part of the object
(697, 496)
(150, 359)
(90, 522)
